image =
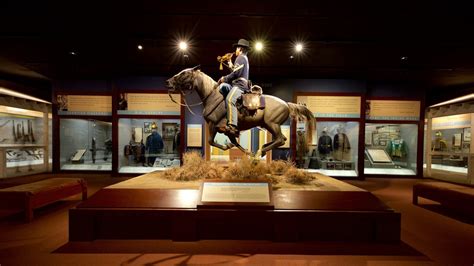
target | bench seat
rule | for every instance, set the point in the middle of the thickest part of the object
(30, 196)
(457, 197)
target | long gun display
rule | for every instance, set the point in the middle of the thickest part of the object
(14, 133)
(25, 136)
(18, 133)
(30, 131)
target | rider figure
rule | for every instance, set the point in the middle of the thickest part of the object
(239, 80)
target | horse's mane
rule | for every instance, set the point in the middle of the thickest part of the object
(207, 82)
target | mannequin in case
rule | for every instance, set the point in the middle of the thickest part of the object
(341, 145)
(325, 144)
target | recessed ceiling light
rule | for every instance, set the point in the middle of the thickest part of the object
(72, 53)
(183, 46)
(299, 47)
(404, 58)
(140, 47)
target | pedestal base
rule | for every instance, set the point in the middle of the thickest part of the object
(173, 214)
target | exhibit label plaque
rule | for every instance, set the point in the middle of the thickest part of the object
(285, 130)
(151, 104)
(84, 105)
(194, 135)
(332, 106)
(393, 110)
(235, 192)
(452, 121)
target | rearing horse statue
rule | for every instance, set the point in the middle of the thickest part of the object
(275, 113)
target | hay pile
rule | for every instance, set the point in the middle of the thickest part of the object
(195, 168)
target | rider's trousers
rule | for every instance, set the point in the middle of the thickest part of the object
(232, 115)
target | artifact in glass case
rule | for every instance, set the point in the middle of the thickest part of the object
(335, 150)
(341, 145)
(85, 144)
(148, 144)
(325, 144)
(23, 146)
(388, 151)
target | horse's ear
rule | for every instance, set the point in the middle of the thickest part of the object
(198, 67)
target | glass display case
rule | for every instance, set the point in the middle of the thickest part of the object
(390, 149)
(24, 148)
(449, 153)
(451, 143)
(85, 144)
(334, 150)
(147, 145)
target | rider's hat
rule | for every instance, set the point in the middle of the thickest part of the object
(243, 43)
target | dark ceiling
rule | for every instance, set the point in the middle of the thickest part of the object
(343, 39)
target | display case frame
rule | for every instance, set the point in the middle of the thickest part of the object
(404, 117)
(354, 116)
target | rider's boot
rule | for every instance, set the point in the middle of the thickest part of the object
(232, 130)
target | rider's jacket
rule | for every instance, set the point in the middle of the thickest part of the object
(240, 75)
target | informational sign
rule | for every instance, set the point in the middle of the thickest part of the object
(452, 121)
(84, 104)
(149, 104)
(285, 130)
(194, 135)
(392, 110)
(235, 192)
(332, 106)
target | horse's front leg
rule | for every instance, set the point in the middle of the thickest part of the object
(212, 135)
(234, 141)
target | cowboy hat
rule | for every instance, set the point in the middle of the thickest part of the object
(243, 43)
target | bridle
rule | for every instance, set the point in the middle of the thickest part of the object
(190, 89)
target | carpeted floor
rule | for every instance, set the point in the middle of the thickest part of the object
(430, 236)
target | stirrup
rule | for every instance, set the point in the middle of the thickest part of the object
(232, 130)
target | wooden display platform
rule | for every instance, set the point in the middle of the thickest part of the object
(173, 214)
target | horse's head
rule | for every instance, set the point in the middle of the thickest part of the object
(183, 81)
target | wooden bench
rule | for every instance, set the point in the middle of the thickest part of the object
(33, 195)
(456, 197)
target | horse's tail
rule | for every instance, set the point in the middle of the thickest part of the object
(299, 111)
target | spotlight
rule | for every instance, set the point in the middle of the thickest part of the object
(404, 58)
(72, 53)
(183, 46)
(140, 47)
(299, 47)
(259, 46)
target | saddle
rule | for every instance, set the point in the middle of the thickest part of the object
(253, 100)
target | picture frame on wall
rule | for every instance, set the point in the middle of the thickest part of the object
(147, 127)
(467, 135)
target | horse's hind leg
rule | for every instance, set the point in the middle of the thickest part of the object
(278, 138)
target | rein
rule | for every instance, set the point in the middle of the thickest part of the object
(184, 99)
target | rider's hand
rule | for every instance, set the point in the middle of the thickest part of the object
(230, 63)
(221, 80)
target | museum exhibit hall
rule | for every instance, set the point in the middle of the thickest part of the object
(249, 133)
